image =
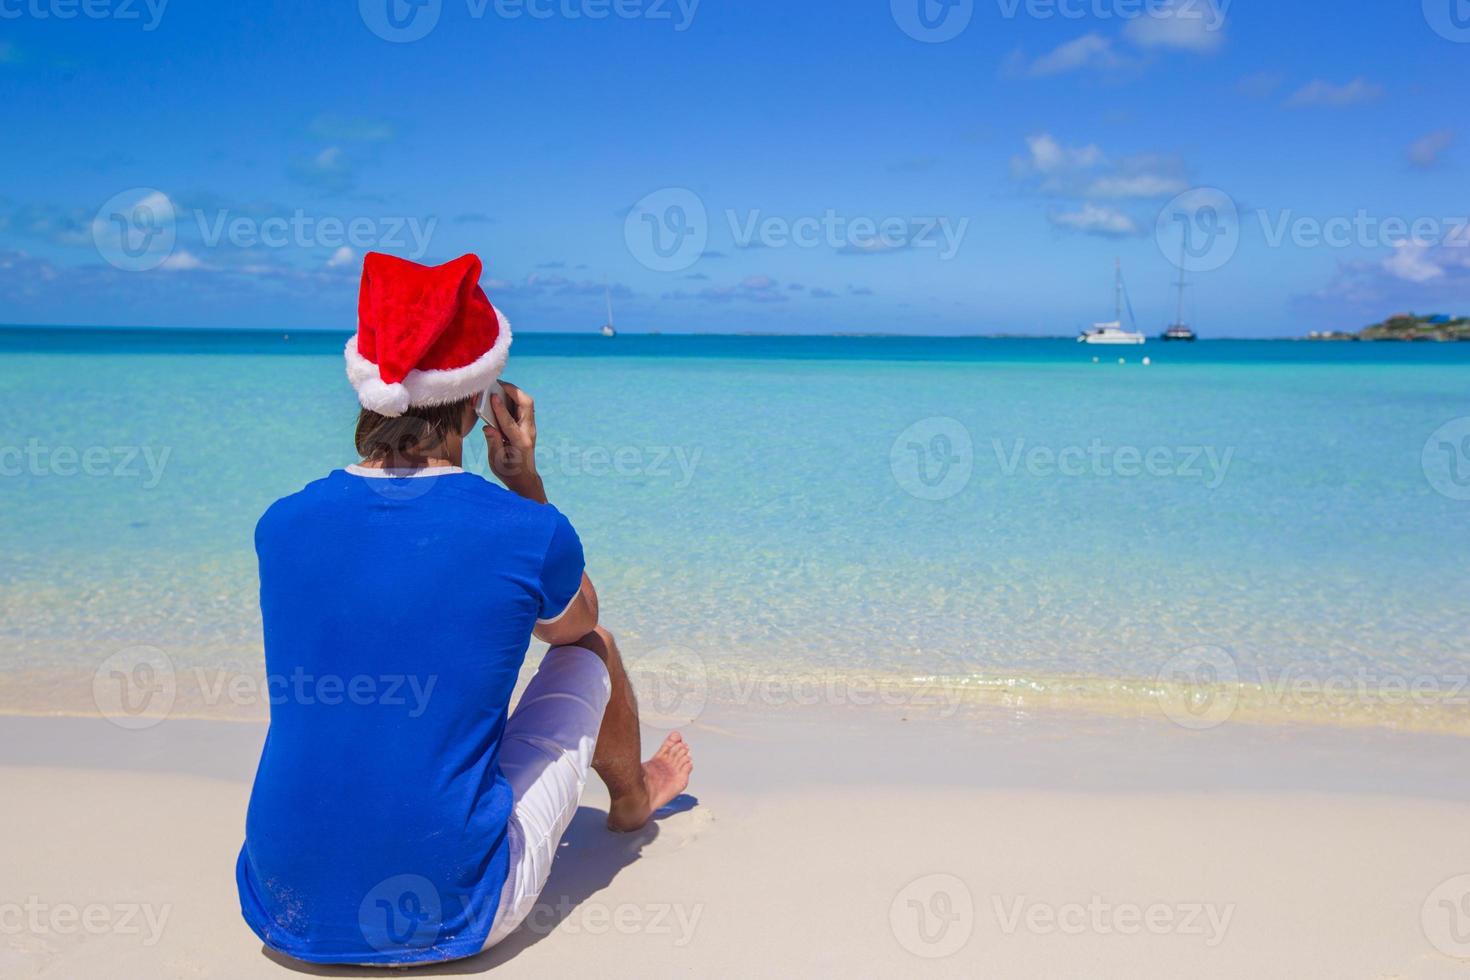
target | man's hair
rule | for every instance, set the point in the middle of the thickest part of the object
(420, 428)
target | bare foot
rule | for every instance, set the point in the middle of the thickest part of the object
(665, 775)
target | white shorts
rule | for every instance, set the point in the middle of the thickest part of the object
(545, 754)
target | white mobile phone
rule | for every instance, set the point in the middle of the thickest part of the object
(483, 407)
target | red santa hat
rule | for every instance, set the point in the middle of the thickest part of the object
(426, 335)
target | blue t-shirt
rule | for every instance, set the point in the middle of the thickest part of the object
(397, 612)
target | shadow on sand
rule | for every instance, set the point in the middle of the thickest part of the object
(589, 858)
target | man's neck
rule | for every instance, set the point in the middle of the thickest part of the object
(450, 454)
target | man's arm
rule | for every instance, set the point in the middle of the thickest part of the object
(579, 619)
(513, 459)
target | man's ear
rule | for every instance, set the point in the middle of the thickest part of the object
(468, 419)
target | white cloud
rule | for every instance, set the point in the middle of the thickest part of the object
(1412, 263)
(1093, 219)
(1121, 186)
(1085, 172)
(1420, 276)
(1425, 151)
(1421, 262)
(1322, 93)
(1047, 156)
(342, 257)
(181, 261)
(1088, 52)
(1196, 26)
(1187, 25)
(329, 170)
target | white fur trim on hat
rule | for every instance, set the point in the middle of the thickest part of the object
(426, 387)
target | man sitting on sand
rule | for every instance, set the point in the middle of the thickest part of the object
(401, 814)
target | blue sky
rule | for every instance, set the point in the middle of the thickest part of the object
(738, 166)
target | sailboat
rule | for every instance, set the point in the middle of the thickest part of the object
(1179, 330)
(1112, 331)
(608, 330)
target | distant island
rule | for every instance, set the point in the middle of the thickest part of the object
(1405, 326)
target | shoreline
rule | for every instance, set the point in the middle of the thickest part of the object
(677, 693)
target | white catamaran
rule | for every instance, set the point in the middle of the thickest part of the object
(1112, 332)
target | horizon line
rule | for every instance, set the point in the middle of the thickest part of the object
(273, 331)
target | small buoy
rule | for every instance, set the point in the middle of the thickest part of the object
(1122, 360)
(1094, 359)
(1146, 362)
(285, 336)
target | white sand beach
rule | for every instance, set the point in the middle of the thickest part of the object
(863, 843)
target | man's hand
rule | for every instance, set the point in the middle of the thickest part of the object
(512, 442)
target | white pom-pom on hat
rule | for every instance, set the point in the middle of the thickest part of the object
(390, 400)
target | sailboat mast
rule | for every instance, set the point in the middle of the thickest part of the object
(1118, 290)
(607, 293)
(1179, 317)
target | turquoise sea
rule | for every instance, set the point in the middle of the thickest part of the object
(1003, 516)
